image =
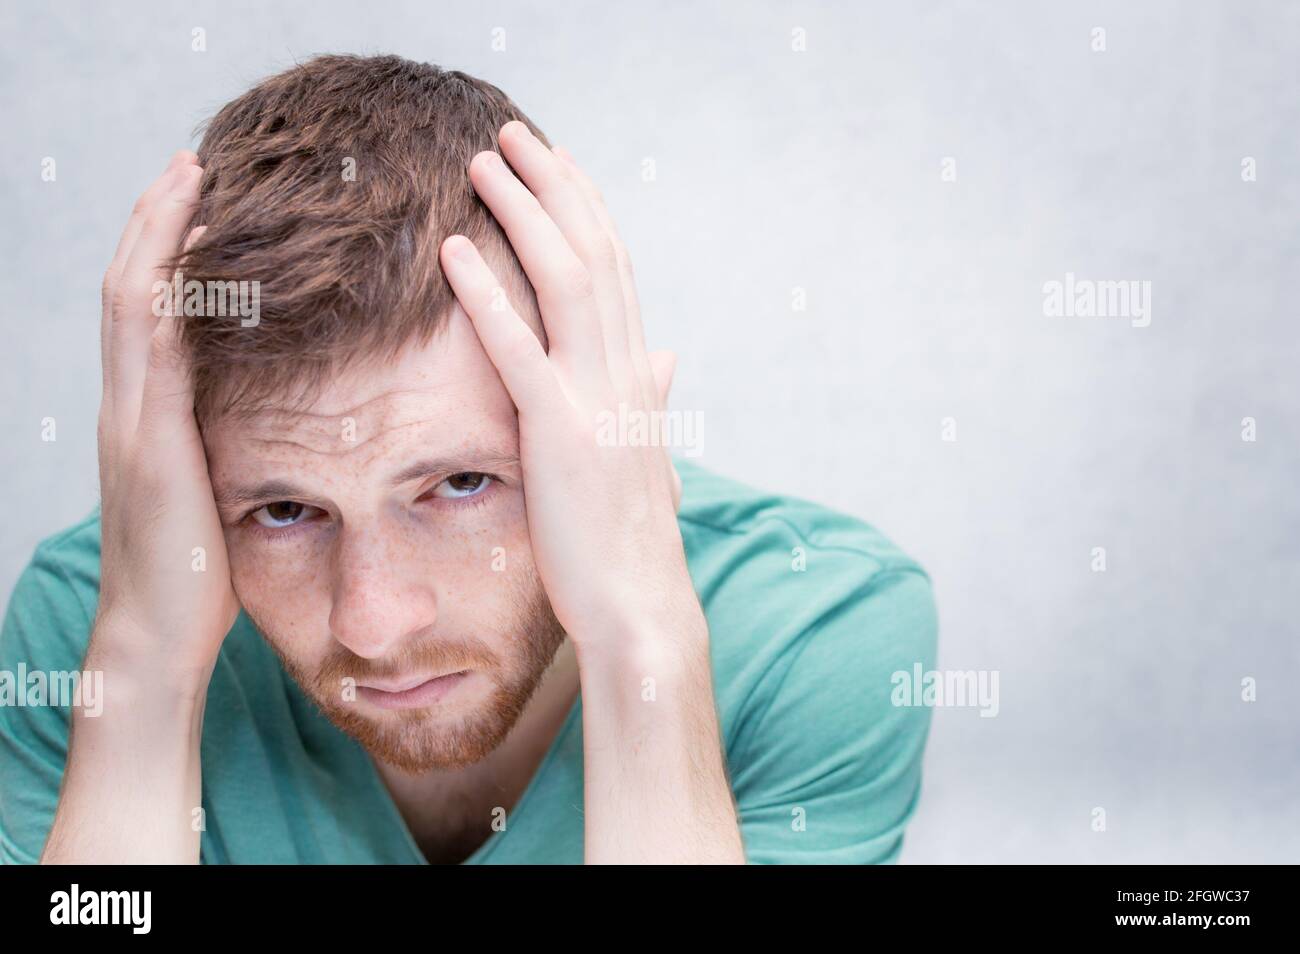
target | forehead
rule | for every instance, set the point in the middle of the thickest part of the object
(445, 392)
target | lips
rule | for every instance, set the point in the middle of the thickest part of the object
(411, 694)
(402, 685)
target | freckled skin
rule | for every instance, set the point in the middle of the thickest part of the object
(384, 580)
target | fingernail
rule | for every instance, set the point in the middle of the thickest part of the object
(462, 249)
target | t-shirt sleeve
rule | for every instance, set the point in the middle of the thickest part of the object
(45, 629)
(831, 770)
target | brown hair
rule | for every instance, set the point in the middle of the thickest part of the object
(347, 268)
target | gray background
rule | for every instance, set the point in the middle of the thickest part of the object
(821, 170)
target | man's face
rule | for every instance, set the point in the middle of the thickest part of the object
(378, 541)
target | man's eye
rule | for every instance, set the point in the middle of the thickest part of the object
(463, 485)
(282, 513)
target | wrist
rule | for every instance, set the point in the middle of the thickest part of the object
(155, 721)
(646, 642)
(137, 667)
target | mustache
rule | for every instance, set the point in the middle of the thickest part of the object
(434, 655)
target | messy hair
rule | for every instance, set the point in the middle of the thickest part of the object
(332, 185)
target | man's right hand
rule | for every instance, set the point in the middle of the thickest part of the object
(166, 601)
(132, 789)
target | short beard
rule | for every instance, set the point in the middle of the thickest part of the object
(412, 745)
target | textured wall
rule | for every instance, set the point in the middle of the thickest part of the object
(824, 170)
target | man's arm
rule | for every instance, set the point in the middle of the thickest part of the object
(602, 519)
(655, 778)
(132, 781)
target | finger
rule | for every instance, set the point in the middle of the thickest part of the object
(547, 177)
(196, 233)
(142, 206)
(635, 333)
(662, 366)
(135, 297)
(167, 378)
(125, 243)
(167, 403)
(565, 289)
(510, 344)
(167, 398)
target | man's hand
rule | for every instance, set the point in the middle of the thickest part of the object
(166, 601)
(602, 519)
(165, 595)
(132, 783)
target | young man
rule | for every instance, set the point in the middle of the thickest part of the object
(371, 582)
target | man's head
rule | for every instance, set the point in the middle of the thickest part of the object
(363, 451)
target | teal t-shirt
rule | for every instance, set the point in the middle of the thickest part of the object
(810, 613)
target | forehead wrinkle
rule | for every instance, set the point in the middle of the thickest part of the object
(335, 442)
(387, 397)
(323, 433)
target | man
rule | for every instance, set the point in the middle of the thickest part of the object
(370, 582)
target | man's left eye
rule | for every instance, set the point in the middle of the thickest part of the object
(467, 484)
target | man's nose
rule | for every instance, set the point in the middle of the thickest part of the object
(383, 593)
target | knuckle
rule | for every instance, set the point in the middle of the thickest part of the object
(173, 201)
(119, 298)
(520, 345)
(620, 253)
(624, 259)
(536, 211)
(124, 295)
(107, 285)
(160, 351)
(593, 194)
(576, 281)
(604, 255)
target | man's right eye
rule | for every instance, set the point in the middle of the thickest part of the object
(282, 513)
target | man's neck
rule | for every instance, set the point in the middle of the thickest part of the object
(450, 811)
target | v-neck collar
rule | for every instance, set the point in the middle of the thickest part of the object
(480, 854)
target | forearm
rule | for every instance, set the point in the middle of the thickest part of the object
(656, 788)
(655, 779)
(132, 780)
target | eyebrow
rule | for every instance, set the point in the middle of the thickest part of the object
(272, 490)
(269, 490)
(457, 464)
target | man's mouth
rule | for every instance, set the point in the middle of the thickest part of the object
(409, 693)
